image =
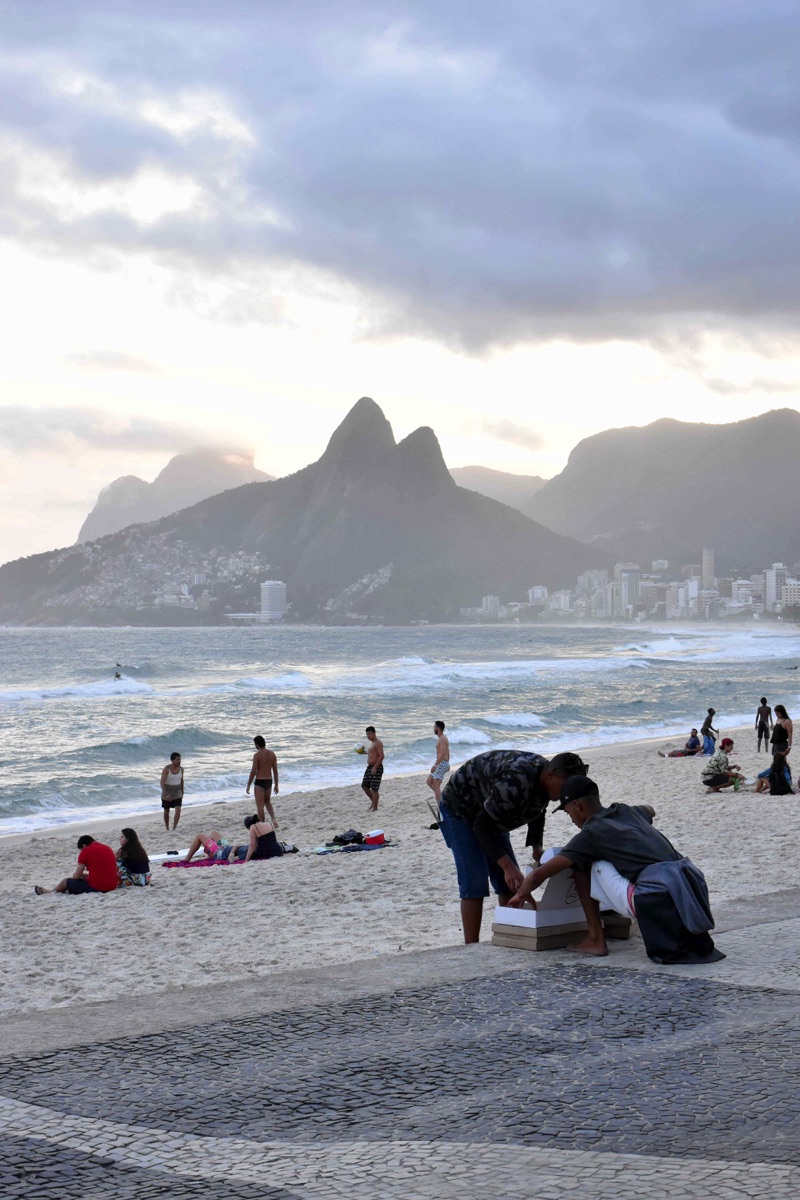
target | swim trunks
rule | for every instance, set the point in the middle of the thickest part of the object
(266, 784)
(172, 801)
(440, 770)
(372, 778)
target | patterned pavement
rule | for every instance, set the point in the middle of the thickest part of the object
(544, 1081)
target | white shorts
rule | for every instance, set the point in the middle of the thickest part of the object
(440, 770)
(610, 889)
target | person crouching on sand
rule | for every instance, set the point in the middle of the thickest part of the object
(718, 773)
(621, 862)
(96, 870)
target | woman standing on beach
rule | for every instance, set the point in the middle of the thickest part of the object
(782, 733)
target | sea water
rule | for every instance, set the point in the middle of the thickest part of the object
(75, 743)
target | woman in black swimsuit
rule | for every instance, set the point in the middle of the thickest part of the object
(263, 841)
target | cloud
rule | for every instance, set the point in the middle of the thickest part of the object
(759, 385)
(109, 360)
(25, 430)
(517, 435)
(477, 174)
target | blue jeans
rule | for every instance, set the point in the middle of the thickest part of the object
(708, 744)
(473, 868)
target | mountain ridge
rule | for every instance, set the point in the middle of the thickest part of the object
(374, 528)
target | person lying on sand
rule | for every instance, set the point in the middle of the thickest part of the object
(690, 748)
(621, 862)
(96, 870)
(214, 844)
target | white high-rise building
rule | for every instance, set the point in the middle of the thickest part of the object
(491, 606)
(627, 576)
(708, 570)
(774, 579)
(537, 594)
(273, 599)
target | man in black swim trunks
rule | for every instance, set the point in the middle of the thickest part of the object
(262, 774)
(371, 783)
(763, 723)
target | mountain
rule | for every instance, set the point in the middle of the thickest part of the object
(375, 528)
(668, 489)
(185, 479)
(515, 490)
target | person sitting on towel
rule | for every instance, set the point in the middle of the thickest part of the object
(263, 841)
(214, 844)
(621, 862)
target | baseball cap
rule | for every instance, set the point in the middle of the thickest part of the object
(569, 763)
(575, 789)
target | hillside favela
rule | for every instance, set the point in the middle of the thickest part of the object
(173, 570)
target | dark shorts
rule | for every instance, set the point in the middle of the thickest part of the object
(763, 730)
(79, 887)
(717, 781)
(372, 778)
(266, 784)
(172, 803)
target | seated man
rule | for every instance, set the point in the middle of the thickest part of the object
(718, 772)
(96, 870)
(690, 748)
(621, 862)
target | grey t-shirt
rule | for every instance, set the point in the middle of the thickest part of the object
(622, 834)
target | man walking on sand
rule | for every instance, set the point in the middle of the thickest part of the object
(763, 724)
(622, 863)
(172, 789)
(262, 774)
(708, 733)
(442, 764)
(371, 783)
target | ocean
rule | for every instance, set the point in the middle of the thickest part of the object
(76, 744)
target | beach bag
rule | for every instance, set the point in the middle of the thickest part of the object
(350, 837)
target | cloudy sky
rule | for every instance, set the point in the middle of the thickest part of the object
(519, 222)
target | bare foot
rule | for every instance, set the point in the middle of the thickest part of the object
(589, 945)
(661, 754)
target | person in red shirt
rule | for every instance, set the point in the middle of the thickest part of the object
(96, 870)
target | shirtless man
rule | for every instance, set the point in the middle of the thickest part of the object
(442, 764)
(172, 789)
(763, 723)
(708, 733)
(371, 783)
(264, 771)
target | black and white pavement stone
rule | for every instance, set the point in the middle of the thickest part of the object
(546, 1080)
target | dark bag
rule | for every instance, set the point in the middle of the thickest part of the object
(351, 837)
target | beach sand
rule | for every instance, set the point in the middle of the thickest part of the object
(206, 926)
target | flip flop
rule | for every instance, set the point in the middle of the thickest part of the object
(39, 890)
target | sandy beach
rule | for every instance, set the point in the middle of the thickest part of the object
(206, 926)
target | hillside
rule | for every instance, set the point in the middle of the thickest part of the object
(374, 528)
(186, 479)
(667, 489)
(515, 490)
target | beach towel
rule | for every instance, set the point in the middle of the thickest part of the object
(198, 862)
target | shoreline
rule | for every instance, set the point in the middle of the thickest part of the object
(92, 824)
(230, 924)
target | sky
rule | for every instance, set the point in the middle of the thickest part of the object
(519, 223)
